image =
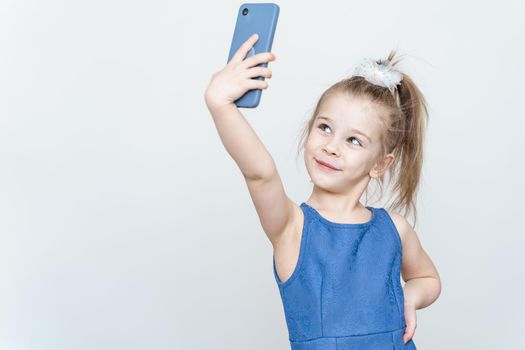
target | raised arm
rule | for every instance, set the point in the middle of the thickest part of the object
(242, 143)
(274, 208)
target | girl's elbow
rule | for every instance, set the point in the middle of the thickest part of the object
(438, 287)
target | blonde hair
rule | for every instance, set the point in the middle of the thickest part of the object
(404, 120)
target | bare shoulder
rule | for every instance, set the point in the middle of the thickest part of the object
(402, 225)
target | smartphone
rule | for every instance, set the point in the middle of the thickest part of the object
(260, 18)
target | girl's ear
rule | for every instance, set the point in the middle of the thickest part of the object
(382, 166)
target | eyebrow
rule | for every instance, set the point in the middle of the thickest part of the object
(352, 129)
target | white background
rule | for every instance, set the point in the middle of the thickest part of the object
(124, 223)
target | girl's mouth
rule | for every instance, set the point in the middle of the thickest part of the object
(326, 165)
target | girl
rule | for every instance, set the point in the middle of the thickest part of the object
(337, 263)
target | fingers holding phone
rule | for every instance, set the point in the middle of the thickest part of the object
(239, 76)
(255, 60)
(251, 47)
(243, 50)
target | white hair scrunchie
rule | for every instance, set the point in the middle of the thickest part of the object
(378, 74)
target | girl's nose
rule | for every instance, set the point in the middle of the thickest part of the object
(331, 147)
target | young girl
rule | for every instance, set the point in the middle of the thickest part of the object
(336, 262)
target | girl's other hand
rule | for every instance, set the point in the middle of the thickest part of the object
(411, 321)
(230, 83)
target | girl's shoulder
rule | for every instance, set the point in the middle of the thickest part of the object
(400, 222)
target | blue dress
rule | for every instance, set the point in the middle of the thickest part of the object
(345, 292)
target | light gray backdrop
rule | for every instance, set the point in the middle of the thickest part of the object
(124, 224)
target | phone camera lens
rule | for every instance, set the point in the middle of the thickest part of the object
(245, 12)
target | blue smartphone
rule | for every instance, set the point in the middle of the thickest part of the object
(260, 18)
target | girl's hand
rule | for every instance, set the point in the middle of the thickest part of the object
(410, 319)
(230, 83)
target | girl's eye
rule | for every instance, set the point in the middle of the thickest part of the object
(322, 126)
(359, 142)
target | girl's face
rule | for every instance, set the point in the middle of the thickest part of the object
(345, 134)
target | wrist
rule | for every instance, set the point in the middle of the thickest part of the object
(215, 104)
(220, 108)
